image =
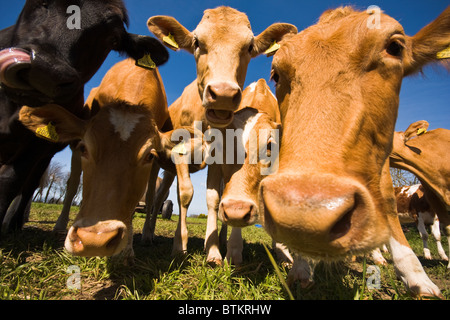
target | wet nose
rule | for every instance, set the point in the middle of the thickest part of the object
(322, 215)
(222, 95)
(105, 238)
(237, 213)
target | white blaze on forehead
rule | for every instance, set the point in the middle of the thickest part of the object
(249, 127)
(124, 122)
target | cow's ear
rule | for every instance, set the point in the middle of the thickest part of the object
(172, 33)
(183, 145)
(268, 40)
(416, 129)
(53, 123)
(137, 47)
(430, 44)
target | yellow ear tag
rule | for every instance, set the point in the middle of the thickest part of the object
(146, 62)
(272, 49)
(48, 132)
(170, 40)
(421, 131)
(180, 148)
(444, 54)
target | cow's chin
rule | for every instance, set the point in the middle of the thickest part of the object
(219, 118)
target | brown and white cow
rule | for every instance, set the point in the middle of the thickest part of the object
(337, 85)
(250, 152)
(426, 154)
(222, 44)
(413, 206)
(119, 146)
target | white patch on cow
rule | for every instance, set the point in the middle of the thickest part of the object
(124, 122)
(413, 189)
(252, 86)
(248, 127)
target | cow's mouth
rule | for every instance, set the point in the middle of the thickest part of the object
(13, 61)
(219, 118)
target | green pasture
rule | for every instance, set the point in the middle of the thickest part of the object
(34, 265)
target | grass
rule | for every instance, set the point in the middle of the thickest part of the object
(34, 265)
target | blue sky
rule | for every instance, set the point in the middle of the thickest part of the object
(423, 97)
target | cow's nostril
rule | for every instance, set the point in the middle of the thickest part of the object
(211, 92)
(237, 97)
(343, 225)
(115, 241)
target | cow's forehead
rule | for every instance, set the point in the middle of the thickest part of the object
(120, 124)
(338, 29)
(223, 21)
(225, 15)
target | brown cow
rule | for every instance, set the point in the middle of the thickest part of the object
(118, 148)
(256, 126)
(412, 206)
(258, 110)
(222, 44)
(337, 84)
(426, 154)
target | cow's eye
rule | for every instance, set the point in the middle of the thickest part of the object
(394, 49)
(250, 48)
(396, 46)
(196, 43)
(274, 76)
(83, 150)
(149, 156)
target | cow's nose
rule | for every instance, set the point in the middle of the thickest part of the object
(105, 238)
(237, 213)
(222, 95)
(319, 215)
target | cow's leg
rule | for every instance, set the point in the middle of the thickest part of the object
(436, 232)
(148, 231)
(407, 265)
(302, 271)
(213, 182)
(235, 246)
(185, 194)
(18, 218)
(72, 188)
(282, 252)
(378, 258)
(11, 181)
(424, 236)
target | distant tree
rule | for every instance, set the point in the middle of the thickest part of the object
(54, 176)
(402, 178)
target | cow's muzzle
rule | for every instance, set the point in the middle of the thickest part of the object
(105, 238)
(322, 216)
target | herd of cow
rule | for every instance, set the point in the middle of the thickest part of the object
(330, 193)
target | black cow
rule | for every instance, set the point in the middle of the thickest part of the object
(44, 59)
